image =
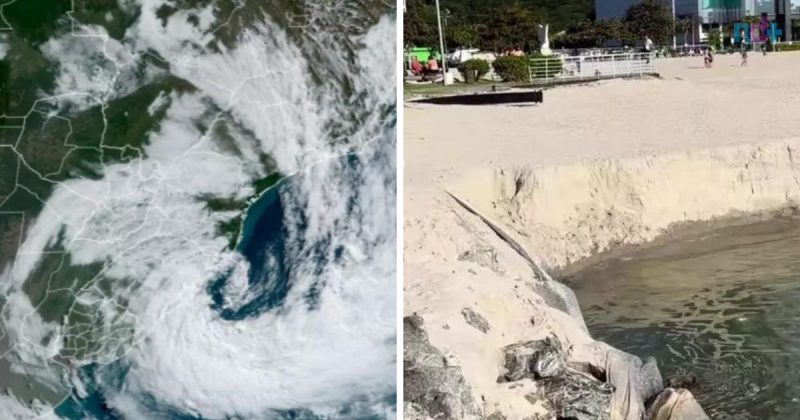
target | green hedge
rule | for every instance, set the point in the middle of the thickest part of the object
(511, 68)
(473, 69)
(516, 69)
(787, 47)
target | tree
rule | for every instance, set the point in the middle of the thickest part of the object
(683, 26)
(510, 27)
(419, 24)
(650, 18)
(715, 39)
(460, 36)
(579, 35)
(610, 30)
(471, 22)
(588, 34)
(468, 21)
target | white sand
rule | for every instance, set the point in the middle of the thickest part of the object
(695, 144)
(690, 107)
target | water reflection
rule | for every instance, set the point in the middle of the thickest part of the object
(725, 306)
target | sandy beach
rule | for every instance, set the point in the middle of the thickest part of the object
(593, 167)
(690, 107)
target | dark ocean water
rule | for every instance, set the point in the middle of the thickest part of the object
(263, 246)
(723, 306)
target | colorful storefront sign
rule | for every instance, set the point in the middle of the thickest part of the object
(757, 32)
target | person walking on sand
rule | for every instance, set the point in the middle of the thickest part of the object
(743, 48)
(648, 47)
(709, 58)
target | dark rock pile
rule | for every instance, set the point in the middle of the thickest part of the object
(431, 388)
(614, 384)
(534, 359)
(569, 393)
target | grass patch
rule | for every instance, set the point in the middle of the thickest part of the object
(414, 91)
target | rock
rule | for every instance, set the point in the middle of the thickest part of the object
(682, 379)
(570, 393)
(575, 395)
(475, 320)
(431, 387)
(675, 404)
(534, 359)
(412, 411)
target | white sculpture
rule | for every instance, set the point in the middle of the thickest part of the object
(545, 48)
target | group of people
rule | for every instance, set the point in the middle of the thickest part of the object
(514, 52)
(432, 66)
(743, 48)
(708, 57)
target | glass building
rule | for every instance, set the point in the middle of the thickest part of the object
(712, 13)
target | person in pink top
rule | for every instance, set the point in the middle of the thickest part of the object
(433, 65)
(416, 67)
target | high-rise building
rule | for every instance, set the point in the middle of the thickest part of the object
(710, 13)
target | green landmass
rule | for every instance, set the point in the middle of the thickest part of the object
(232, 227)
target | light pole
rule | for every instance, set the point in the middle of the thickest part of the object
(441, 44)
(674, 38)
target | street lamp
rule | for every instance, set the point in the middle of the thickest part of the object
(674, 38)
(441, 44)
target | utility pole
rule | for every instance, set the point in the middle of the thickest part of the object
(787, 20)
(441, 44)
(674, 38)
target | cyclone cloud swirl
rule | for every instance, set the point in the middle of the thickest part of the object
(240, 261)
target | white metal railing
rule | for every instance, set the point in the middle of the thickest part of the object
(557, 69)
(688, 50)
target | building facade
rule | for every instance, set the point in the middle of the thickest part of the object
(711, 13)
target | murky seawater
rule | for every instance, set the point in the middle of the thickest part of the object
(724, 306)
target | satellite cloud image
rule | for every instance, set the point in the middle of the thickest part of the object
(198, 209)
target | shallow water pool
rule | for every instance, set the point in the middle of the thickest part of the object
(723, 305)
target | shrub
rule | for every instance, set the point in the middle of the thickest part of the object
(520, 69)
(474, 67)
(787, 47)
(511, 68)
